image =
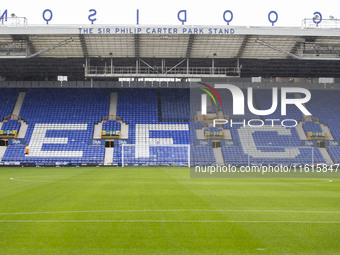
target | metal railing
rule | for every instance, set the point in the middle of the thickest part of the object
(132, 71)
(325, 23)
(13, 22)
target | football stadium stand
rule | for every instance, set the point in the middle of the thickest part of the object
(268, 145)
(137, 99)
(202, 155)
(139, 108)
(8, 98)
(162, 128)
(174, 105)
(334, 153)
(111, 125)
(60, 124)
(11, 125)
(311, 126)
(325, 106)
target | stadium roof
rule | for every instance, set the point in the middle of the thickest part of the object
(161, 42)
(198, 43)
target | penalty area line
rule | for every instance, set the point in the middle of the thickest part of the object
(169, 210)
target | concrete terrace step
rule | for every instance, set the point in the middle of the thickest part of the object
(199, 133)
(301, 131)
(2, 151)
(113, 103)
(124, 129)
(108, 158)
(97, 130)
(326, 156)
(18, 104)
(23, 129)
(218, 156)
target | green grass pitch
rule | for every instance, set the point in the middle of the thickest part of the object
(162, 211)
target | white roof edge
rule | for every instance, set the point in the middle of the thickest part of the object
(166, 30)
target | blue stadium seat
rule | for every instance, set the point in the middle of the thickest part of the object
(64, 120)
(8, 98)
(311, 126)
(76, 111)
(111, 125)
(11, 125)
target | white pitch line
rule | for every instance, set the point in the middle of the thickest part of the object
(173, 181)
(165, 221)
(91, 177)
(170, 210)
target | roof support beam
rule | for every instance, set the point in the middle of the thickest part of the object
(243, 46)
(52, 47)
(189, 47)
(83, 45)
(40, 52)
(137, 46)
(296, 49)
(290, 54)
(178, 65)
(148, 65)
(30, 46)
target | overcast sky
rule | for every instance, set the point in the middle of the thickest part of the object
(161, 12)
